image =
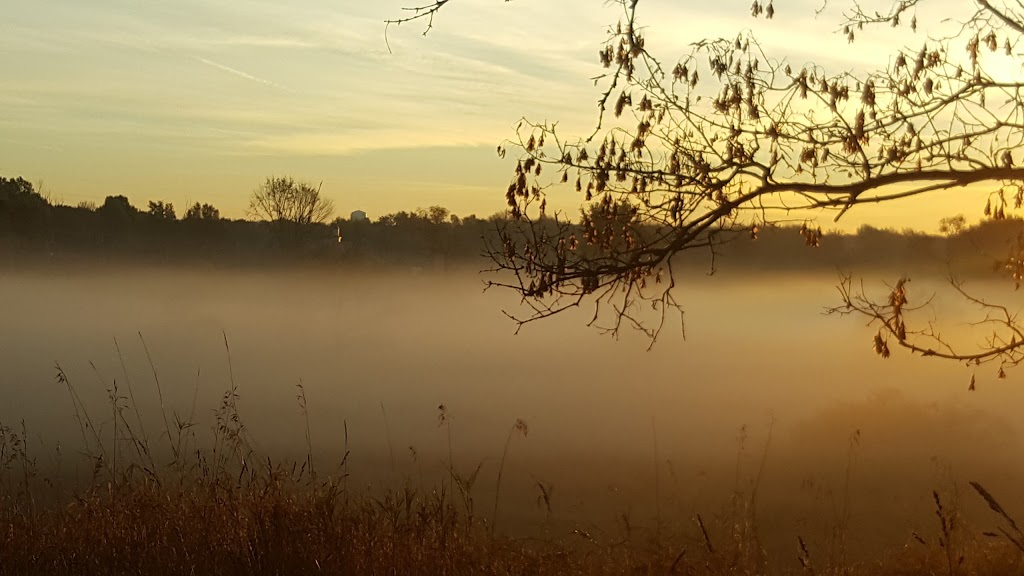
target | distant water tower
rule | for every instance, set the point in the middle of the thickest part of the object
(358, 216)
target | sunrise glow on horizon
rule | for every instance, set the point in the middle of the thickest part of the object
(200, 100)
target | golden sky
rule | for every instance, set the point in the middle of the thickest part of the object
(200, 100)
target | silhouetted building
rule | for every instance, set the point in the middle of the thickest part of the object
(358, 216)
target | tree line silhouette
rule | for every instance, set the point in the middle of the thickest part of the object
(33, 227)
(288, 221)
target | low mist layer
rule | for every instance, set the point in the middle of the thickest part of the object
(766, 395)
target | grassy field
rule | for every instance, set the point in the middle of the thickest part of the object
(196, 501)
(272, 520)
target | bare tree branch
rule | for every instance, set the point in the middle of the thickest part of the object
(726, 140)
(1004, 344)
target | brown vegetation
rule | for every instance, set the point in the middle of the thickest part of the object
(216, 507)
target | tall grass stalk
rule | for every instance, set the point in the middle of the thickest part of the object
(143, 437)
(387, 437)
(344, 464)
(309, 438)
(521, 428)
(82, 417)
(160, 396)
(444, 419)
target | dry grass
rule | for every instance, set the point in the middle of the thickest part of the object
(272, 523)
(215, 507)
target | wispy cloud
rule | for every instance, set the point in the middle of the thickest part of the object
(237, 72)
(348, 142)
(33, 145)
(254, 41)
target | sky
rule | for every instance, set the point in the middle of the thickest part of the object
(201, 100)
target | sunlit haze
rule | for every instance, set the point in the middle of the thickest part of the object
(329, 287)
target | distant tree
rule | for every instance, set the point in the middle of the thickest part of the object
(46, 193)
(202, 212)
(88, 205)
(285, 200)
(22, 209)
(953, 225)
(118, 205)
(19, 191)
(116, 213)
(162, 210)
(389, 219)
(438, 214)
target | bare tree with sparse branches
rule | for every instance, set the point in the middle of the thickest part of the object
(282, 199)
(726, 140)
